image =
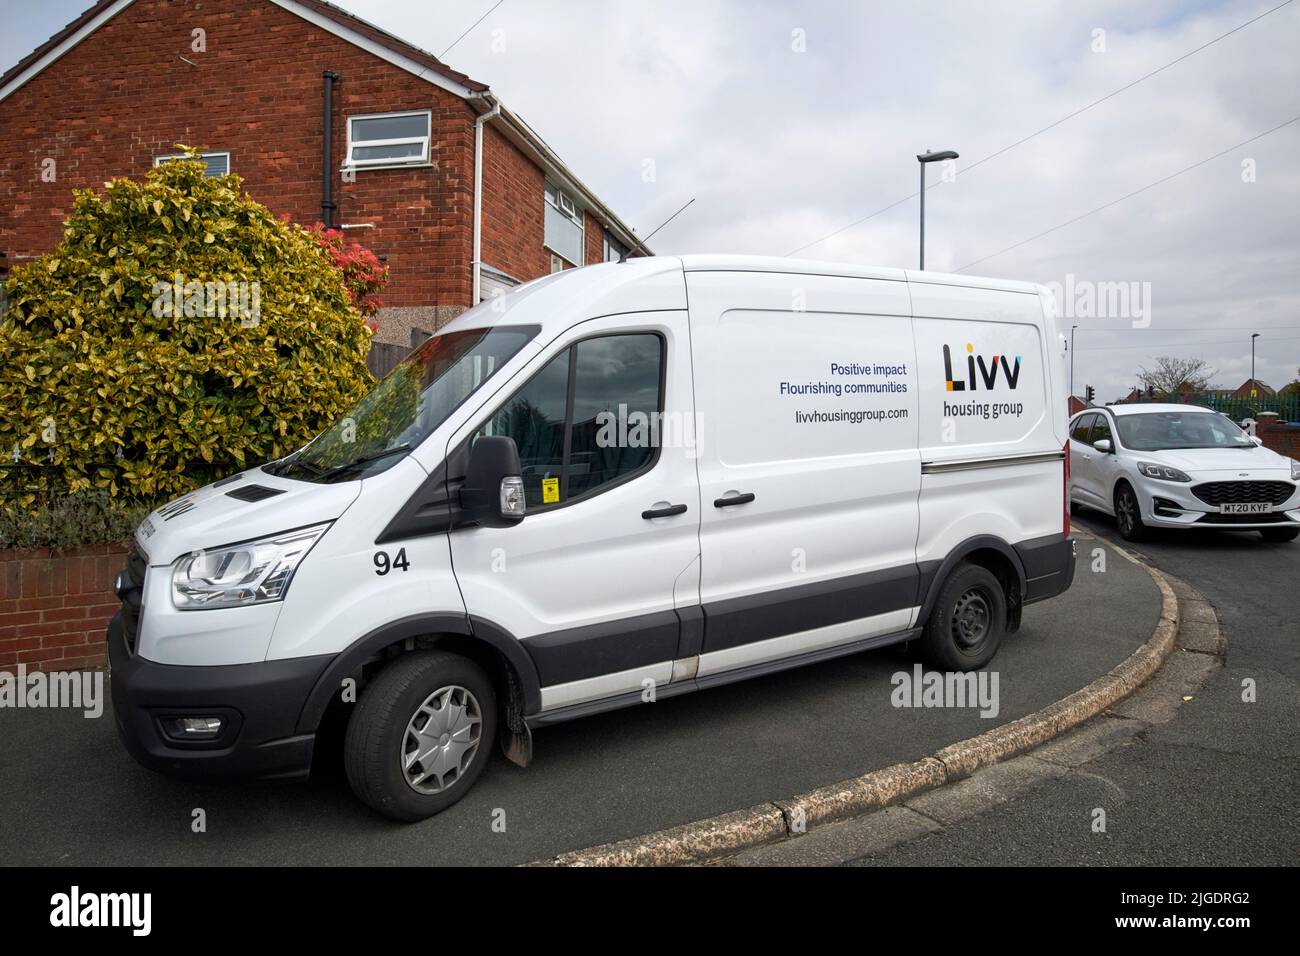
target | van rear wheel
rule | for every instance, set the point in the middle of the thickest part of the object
(421, 734)
(968, 620)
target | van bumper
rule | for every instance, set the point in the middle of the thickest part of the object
(258, 705)
(1048, 564)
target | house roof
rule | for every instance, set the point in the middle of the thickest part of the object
(376, 40)
(328, 10)
(1257, 384)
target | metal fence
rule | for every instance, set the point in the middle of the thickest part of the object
(1286, 407)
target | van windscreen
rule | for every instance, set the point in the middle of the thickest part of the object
(406, 406)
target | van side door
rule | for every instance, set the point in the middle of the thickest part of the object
(590, 581)
(808, 463)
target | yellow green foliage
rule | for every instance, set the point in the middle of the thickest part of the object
(111, 381)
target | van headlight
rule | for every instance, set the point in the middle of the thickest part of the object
(251, 573)
(1163, 472)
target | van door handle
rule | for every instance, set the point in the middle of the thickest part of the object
(665, 512)
(727, 502)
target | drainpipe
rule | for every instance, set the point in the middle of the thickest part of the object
(476, 263)
(327, 204)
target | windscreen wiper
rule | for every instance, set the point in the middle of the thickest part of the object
(364, 460)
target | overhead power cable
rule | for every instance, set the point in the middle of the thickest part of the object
(1049, 126)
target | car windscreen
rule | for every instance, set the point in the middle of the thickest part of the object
(1156, 431)
(406, 405)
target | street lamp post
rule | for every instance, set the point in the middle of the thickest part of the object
(1253, 337)
(923, 158)
(1072, 328)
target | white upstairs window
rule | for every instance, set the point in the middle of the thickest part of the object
(389, 139)
(564, 234)
(218, 164)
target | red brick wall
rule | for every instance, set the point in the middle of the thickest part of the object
(514, 226)
(594, 239)
(1282, 438)
(54, 608)
(123, 96)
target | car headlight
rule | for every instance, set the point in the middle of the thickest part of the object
(251, 573)
(1163, 472)
(1295, 470)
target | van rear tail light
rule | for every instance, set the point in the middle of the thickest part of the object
(1065, 490)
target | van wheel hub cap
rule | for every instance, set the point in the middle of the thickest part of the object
(970, 618)
(441, 739)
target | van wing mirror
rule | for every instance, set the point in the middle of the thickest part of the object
(493, 493)
(1103, 445)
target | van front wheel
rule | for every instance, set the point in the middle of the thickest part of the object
(421, 734)
(968, 620)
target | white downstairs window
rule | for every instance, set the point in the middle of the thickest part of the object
(389, 139)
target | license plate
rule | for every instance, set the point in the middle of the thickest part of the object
(1245, 508)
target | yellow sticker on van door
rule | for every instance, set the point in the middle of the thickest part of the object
(550, 490)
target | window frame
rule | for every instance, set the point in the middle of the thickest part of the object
(1102, 422)
(570, 386)
(610, 242)
(1085, 417)
(425, 159)
(173, 157)
(578, 217)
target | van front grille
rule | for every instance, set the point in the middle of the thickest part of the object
(1240, 492)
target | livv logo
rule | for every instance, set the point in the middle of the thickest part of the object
(988, 371)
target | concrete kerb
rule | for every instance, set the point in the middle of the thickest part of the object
(729, 833)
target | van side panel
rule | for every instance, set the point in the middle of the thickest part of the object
(806, 392)
(990, 456)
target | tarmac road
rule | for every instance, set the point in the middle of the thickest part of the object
(1217, 785)
(69, 794)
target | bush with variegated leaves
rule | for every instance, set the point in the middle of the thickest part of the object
(179, 332)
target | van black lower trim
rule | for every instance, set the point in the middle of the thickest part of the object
(259, 703)
(361, 650)
(1049, 566)
(665, 691)
(758, 617)
(594, 650)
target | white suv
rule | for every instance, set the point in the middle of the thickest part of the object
(1180, 466)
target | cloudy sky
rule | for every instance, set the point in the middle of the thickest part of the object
(788, 122)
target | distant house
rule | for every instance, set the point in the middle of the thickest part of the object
(1075, 404)
(1252, 388)
(327, 118)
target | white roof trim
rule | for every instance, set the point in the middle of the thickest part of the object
(370, 46)
(86, 30)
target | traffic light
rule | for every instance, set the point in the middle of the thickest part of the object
(1089, 393)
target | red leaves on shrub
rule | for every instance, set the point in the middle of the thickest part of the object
(363, 275)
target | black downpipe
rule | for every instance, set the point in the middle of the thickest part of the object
(327, 204)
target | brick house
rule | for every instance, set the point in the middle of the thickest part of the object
(252, 82)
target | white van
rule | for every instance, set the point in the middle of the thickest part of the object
(610, 486)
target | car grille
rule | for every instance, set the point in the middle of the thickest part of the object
(1272, 517)
(1234, 492)
(130, 591)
